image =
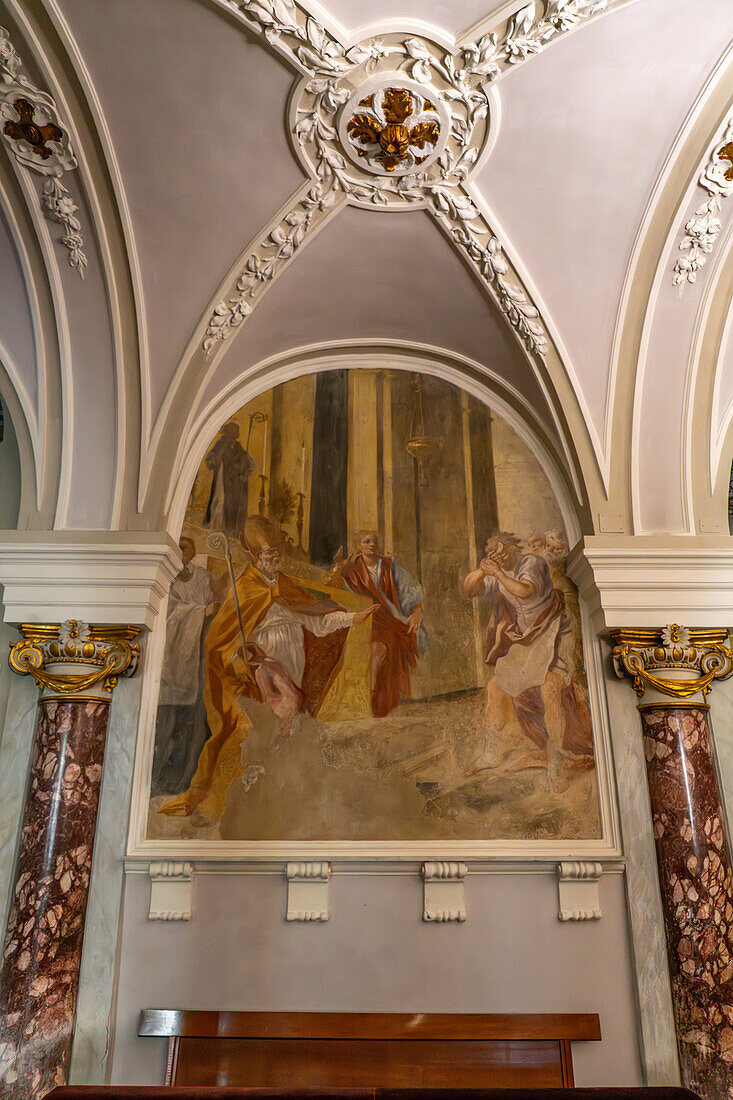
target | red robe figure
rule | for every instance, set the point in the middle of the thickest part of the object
(398, 637)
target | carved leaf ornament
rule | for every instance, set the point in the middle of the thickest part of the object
(354, 152)
(701, 231)
(29, 123)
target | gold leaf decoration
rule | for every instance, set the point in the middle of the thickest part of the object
(423, 134)
(365, 129)
(397, 105)
(726, 153)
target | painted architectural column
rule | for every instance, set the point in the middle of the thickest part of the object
(76, 666)
(673, 671)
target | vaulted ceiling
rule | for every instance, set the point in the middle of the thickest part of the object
(230, 231)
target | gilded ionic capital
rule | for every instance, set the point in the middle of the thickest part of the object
(74, 657)
(674, 661)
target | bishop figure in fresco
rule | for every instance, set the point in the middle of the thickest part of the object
(273, 640)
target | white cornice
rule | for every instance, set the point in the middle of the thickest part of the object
(649, 581)
(100, 577)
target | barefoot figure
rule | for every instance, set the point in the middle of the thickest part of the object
(528, 641)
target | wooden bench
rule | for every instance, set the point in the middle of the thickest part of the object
(369, 1050)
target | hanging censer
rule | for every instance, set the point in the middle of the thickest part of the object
(421, 447)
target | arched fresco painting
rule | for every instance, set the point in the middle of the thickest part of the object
(373, 636)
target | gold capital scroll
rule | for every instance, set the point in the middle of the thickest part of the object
(109, 650)
(702, 653)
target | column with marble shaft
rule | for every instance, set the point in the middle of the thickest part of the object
(76, 667)
(673, 671)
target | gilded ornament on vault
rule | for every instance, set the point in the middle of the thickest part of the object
(726, 153)
(393, 128)
(29, 130)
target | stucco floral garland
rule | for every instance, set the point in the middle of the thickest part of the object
(491, 264)
(275, 249)
(701, 231)
(463, 74)
(292, 31)
(50, 160)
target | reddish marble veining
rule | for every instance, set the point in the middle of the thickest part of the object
(695, 876)
(42, 953)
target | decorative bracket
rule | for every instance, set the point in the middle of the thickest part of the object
(308, 891)
(577, 888)
(171, 888)
(444, 891)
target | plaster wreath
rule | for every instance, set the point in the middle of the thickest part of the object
(454, 82)
(29, 124)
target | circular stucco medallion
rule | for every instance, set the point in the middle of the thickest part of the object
(390, 125)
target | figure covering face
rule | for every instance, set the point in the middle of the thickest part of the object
(529, 645)
(232, 468)
(285, 653)
(398, 637)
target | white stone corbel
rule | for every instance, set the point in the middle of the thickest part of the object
(171, 889)
(577, 888)
(308, 891)
(444, 892)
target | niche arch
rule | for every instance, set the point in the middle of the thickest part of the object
(216, 837)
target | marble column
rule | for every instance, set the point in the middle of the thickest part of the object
(76, 666)
(673, 671)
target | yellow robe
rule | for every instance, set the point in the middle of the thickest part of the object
(229, 676)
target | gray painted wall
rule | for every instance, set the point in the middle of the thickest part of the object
(376, 954)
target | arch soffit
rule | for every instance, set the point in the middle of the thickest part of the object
(649, 274)
(553, 368)
(37, 422)
(709, 429)
(476, 380)
(46, 41)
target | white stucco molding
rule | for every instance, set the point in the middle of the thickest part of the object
(97, 576)
(650, 580)
(444, 890)
(578, 890)
(171, 890)
(308, 891)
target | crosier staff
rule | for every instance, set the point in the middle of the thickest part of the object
(215, 543)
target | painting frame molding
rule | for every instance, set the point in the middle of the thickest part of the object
(263, 853)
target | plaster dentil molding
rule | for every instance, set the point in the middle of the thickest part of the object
(308, 891)
(701, 231)
(34, 135)
(444, 890)
(578, 890)
(171, 889)
(432, 174)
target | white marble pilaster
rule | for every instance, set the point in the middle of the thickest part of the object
(98, 977)
(721, 723)
(658, 1040)
(16, 744)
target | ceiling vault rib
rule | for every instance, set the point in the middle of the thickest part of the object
(329, 70)
(296, 223)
